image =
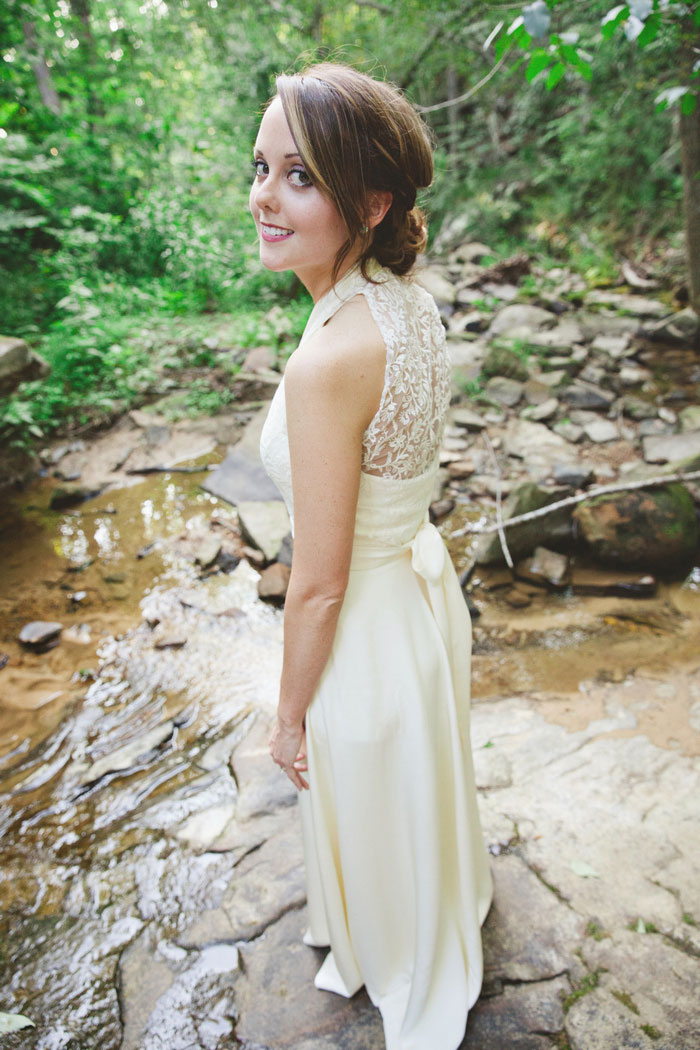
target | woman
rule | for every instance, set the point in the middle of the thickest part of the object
(373, 719)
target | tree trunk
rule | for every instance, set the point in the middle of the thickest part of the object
(49, 95)
(690, 158)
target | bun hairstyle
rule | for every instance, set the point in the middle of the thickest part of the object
(355, 135)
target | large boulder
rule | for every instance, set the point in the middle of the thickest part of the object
(18, 364)
(550, 530)
(654, 528)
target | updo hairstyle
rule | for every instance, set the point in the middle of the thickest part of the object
(355, 135)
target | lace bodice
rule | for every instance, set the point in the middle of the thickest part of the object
(403, 439)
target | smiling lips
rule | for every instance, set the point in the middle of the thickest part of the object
(274, 233)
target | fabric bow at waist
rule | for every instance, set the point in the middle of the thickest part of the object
(430, 560)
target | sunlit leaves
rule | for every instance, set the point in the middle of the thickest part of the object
(536, 18)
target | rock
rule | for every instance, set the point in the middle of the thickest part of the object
(170, 641)
(473, 321)
(689, 418)
(644, 995)
(260, 359)
(521, 321)
(545, 566)
(536, 392)
(552, 379)
(273, 583)
(635, 305)
(441, 509)
(601, 430)
(70, 496)
(681, 327)
(668, 415)
(592, 374)
(571, 432)
(654, 428)
(505, 391)
(18, 364)
(472, 252)
(469, 420)
(614, 346)
(202, 830)
(434, 281)
(585, 395)
(542, 412)
(208, 551)
(633, 375)
(500, 361)
(606, 583)
(637, 409)
(522, 1017)
(517, 600)
(537, 446)
(262, 787)
(576, 475)
(607, 324)
(40, 635)
(264, 525)
(466, 354)
(242, 477)
(522, 539)
(528, 932)
(130, 754)
(653, 528)
(563, 336)
(668, 447)
(277, 1006)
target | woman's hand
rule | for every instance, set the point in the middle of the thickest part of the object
(288, 750)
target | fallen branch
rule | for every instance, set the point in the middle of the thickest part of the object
(499, 504)
(570, 501)
(467, 94)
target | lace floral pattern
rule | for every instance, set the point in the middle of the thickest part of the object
(403, 439)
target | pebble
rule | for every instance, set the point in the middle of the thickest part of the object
(40, 634)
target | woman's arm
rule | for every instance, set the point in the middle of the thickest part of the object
(333, 385)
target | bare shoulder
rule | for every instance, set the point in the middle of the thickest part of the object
(346, 358)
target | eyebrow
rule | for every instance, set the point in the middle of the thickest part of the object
(287, 156)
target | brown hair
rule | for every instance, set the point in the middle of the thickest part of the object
(355, 135)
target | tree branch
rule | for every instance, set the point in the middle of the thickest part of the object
(467, 94)
(604, 490)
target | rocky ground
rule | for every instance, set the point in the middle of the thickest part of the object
(152, 883)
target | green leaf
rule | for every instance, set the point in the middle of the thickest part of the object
(615, 17)
(651, 30)
(555, 74)
(696, 16)
(584, 870)
(688, 103)
(13, 1022)
(539, 60)
(641, 926)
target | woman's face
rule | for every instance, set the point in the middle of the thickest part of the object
(299, 228)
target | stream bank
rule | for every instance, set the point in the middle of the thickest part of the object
(151, 882)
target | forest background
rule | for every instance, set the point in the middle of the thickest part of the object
(126, 133)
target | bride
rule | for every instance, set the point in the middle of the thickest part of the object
(373, 715)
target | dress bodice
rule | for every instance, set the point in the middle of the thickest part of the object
(402, 441)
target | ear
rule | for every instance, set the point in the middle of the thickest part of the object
(378, 204)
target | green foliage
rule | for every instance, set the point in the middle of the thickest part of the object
(586, 985)
(124, 179)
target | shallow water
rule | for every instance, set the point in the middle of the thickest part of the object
(114, 754)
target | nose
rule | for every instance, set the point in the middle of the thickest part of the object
(264, 195)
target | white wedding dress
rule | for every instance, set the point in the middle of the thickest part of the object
(397, 873)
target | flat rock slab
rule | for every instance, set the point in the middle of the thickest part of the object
(636, 305)
(666, 448)
(241, 476)
(264, 524)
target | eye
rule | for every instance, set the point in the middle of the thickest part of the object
(260, 167)
(300, 178)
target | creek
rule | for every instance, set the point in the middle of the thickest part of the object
(115, 744)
